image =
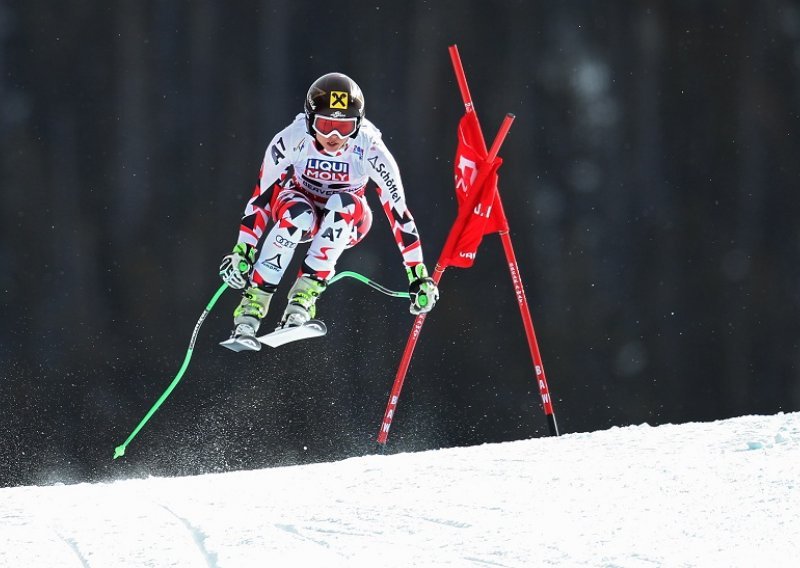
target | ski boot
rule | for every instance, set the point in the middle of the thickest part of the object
(302, 299)
(247, 318)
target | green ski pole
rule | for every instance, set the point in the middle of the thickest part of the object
(369, 282)
(120, 450)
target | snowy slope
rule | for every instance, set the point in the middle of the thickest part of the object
(711, 494)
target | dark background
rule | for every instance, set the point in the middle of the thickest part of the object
(650, 180)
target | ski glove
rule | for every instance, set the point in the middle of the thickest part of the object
(236, 266)
(422, 289)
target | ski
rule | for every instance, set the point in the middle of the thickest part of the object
(281, 336)
(242, 343)
(284, 335)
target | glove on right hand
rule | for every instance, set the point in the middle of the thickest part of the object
(235, 267)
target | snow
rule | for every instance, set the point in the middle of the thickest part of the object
(712, 494)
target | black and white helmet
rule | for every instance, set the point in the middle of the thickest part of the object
(336, 97)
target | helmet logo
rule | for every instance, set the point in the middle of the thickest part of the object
(339, 99)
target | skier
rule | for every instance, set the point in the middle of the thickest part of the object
(311, 188)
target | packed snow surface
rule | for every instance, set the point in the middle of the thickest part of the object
(720, 494)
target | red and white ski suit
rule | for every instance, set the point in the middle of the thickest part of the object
(310, 195)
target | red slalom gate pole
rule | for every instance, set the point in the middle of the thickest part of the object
(513, 266)
(527, 322)
(466, 209)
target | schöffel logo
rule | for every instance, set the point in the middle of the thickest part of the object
(383, 171)
(327, 170)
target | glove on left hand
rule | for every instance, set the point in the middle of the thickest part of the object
(423, 290)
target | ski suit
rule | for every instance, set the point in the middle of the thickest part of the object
(310, 195)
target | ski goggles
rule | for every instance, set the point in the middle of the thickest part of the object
(326, 126)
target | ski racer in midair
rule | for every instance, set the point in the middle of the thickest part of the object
(311, 190)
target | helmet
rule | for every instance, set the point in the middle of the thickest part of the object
(336, 96)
